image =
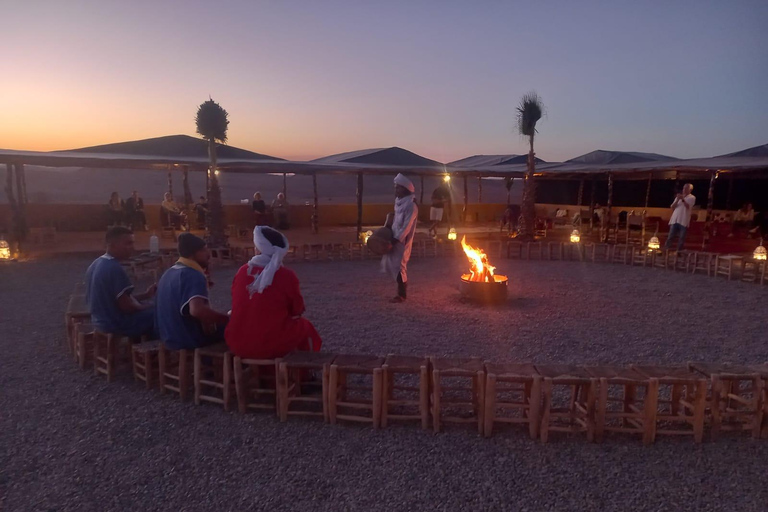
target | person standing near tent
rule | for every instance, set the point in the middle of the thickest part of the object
(440, 196)
(681, 216)
(403, 226)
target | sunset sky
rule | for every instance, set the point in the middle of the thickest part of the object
(307, 79)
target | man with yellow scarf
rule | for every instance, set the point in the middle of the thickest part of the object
(185, 319)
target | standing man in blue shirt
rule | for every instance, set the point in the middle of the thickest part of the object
(108, 291)
(185, 319)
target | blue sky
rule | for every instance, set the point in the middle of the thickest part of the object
(307, 79)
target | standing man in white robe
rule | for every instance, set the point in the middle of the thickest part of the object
(403, 227)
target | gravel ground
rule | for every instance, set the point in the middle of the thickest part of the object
(69, 441)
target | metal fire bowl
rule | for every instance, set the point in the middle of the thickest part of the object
(477, 291)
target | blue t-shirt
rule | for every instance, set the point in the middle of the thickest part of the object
(178, 286)
(105, 282)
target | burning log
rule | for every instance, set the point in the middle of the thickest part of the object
(481, 284)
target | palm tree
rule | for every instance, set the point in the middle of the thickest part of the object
(529, 112)
(212, 124)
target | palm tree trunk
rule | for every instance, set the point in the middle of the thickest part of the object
(215, 219)
(529, 197)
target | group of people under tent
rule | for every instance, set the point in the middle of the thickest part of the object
(266, 320)
(279, 211)
(126, 213)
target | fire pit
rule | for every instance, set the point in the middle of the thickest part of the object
(481, 284)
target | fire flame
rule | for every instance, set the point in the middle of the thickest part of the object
(479, 268)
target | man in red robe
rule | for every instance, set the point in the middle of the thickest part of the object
(267, 305)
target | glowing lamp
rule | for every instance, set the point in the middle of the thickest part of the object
(653, 243)
(216, 172)
(452, 234)
(446, 179)
(5, 250)
(365, 235)
(575, 236)
(760, 253)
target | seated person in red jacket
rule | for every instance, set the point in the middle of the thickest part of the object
(267, 305)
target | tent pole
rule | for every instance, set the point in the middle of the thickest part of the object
(581, 192)
(359, 204)
(315, 220)
(185, 184)
(479, 189)
(730, 192)
(710, 205)
(466, 200)
(285, 186)
(648, 190)
(607, 215)
(20, 204)
(592, 205)
(421, 199)
(170, 182)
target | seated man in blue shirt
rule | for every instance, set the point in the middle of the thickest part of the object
(108, 291)
(184, 317)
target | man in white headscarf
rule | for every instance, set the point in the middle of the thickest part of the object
(403, 226)
(267, 305)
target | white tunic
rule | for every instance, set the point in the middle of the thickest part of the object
(682, 215)
(403, 229)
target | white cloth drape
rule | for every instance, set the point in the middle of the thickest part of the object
(403, 229)
(271, 259)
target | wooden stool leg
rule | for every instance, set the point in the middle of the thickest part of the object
(436, 400)
(424, 396)
(282, 391)
(602, 405)
(197, 376)
(183, 374)
(333, 392)
(227, 380)
(651, 410)
(377, 392)
(490, 403)
(590, 408)
(699, 405)
(161, 362)
(387, 393)
(547, 410)
(535, 405)
(135, 367)
(326, 377)
(480, 397)
(717, 390)
(757, 393)
(96, 354)
(149, 359)
(240, 388)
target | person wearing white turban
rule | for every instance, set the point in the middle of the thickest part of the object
(403, 227)
(267, 305)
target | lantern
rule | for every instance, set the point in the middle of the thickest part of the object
(653, 243)
(760, 253)
(452, 234)
(446, 179)
(365, 235)
(5, 250)
(575, 236)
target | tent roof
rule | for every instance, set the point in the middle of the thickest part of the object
(393, 156)
(757, 151)
(603, 157)
(489, 160)
(177, 146)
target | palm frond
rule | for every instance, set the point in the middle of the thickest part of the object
(529, 112)
(212, 121)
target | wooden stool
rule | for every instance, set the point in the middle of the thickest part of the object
(687, 403)
(105, 353)
(465, 368)
(256, 384)
(599, 252)
(575, 251)
(662, 258)
(555, 251)
(633, 415)
(77, 312)
(84, 343)
(143, 358)
(619, 253)
(732, 405)
(523, 392)
(213, 375)
(703, 261)
(397, 365)
(534, 247)
(752, 271)
(338, 390)
(762, 370)
(682, 261)
(290, 384)
(515, 250)
(727, 265)
(640, 256)
(579, 415)
(175, 370)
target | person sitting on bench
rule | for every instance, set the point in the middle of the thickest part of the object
(108, 291)
(185, 319)
(176, 217)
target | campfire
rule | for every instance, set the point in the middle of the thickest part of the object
(481, 283)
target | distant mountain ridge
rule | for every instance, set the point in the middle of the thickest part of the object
(173, 145)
